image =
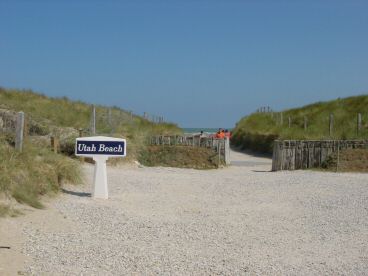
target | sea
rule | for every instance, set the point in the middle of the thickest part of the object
(198, 130)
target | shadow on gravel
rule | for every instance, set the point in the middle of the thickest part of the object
(250, 152)
(247, 163)
(80, 194)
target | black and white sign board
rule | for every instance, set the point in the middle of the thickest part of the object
(100, 148)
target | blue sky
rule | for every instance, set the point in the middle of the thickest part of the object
(198, 63)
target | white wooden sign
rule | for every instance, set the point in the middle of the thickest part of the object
(100, 148)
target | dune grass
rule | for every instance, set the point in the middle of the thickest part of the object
(180, 157)
(54, 114)
(34, 172)
(64, 112)
(263, 128)
(37, 171)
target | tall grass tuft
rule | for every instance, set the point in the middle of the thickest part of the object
(34, 172)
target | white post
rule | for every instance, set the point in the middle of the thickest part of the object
(19, 131)
(100, 178)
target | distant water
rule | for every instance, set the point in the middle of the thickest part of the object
(197, 130)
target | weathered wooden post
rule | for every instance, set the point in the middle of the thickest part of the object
(227, 151)
(19, 128)
(93, 126)
(289, 122)
(54, 144)
(359, 123)
(277, 156)
(331, 123)
(338, 156)
(305, 123)
(25, 128)
(219, 152)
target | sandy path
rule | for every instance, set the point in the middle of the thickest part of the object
(235, 221)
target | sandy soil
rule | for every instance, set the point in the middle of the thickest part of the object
(241, 220)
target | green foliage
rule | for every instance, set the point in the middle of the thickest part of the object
(258, 130)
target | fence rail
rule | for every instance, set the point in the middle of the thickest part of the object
(221, 146)
(294, 155)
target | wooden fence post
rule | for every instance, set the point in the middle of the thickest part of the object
(359, 123)
(338, 156)
(219, 152)
(227, 151)
(19, 131)
(54, 144)
(26, 127)
(331, 124)
(289, 122)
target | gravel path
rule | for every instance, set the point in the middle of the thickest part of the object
(241, 220)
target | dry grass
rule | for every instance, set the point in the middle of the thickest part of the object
(34, 172)
(7, 210)
(350, 160)
(37, 171)
(180, 156)
(58, 114)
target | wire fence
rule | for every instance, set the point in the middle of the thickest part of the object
(110, 120)
(330, 125)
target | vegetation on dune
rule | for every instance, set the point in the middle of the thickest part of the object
(37, 171)
(180, 156)
(349, 160)
(258, 131)
(55, 115)
(63, 112)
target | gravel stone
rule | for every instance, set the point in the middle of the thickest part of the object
(241, 220)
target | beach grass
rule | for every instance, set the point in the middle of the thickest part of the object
(258, 130)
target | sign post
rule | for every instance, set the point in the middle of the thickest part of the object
(100, 148)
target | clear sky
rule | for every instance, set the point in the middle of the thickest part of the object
(198, 63)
